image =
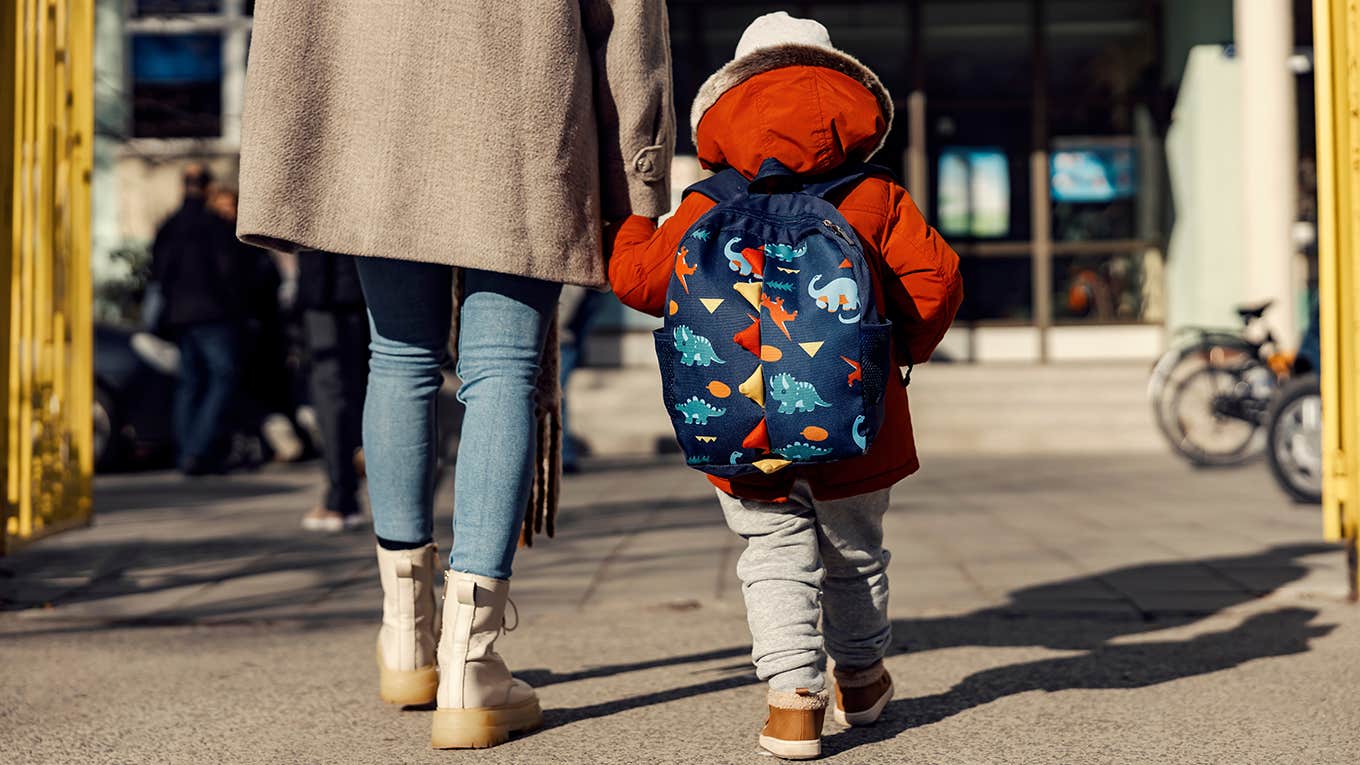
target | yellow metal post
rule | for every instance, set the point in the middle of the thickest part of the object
(46, 152)
(1337, 55)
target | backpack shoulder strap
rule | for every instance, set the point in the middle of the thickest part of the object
(844, 179)
(722, 187)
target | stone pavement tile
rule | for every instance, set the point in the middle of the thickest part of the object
(1002, 576)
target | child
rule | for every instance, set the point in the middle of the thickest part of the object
(814, 532)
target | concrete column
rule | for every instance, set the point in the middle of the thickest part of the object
(1265, 39)
(235, 40)
(918, 171)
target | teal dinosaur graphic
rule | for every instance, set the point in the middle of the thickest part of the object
(861, 439)
(701, 234)
(698, 459)
(697, 411)
(735, 457)
(794, 395)
(786, 252)
(780, 286)
(800, 450)
(694, 349)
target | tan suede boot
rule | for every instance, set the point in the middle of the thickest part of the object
(793, 729)
(480, 704)
(861, 694)
(406, 641)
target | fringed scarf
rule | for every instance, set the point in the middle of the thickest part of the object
(541, 515)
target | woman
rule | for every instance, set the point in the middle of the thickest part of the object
(439, 134)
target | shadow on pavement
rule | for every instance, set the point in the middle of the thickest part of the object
(540, 678)
(55, 577)
(1051, 616)
(1281, 632)
(1122, 601)
(171, 491)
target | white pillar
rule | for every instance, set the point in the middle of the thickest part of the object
(235, 40)
(1264, 32)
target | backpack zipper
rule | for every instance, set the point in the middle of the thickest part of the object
(839, 230)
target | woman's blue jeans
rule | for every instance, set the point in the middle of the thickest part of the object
(501, 332)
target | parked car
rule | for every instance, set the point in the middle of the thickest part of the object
(134, 387)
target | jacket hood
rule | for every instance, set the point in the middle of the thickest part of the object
(772, 58)
(810, 117)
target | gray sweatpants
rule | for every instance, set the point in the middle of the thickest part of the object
(801, 552)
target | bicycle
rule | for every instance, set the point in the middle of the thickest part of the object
(1294, 431)
(1211, 395)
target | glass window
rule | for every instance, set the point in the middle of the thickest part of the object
(177, 86)
(977, 50)
(1093, 183)
(1102, 58)
(998, 287)
(1099, 287)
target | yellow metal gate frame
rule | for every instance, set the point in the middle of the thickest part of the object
(46, 148)
(1336, 41)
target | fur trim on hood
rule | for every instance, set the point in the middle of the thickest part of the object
(764, 60)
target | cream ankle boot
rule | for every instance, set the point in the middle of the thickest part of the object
(406, 641)
(480, 704)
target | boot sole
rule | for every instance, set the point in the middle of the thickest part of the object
(482, 727)
(792, 750)
(866, 717)
(407, 687)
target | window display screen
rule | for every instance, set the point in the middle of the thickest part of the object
(1092, 170)
(974, 192)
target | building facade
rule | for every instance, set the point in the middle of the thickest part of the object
(1032, 133)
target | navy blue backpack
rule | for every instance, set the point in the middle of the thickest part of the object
(773, 351)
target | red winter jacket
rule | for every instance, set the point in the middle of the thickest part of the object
(813, 120)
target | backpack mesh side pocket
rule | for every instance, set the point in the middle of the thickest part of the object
(875, 356)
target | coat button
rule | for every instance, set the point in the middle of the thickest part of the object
(645, 164)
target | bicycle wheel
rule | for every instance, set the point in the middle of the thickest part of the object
(1210, 414)
(1294, 440)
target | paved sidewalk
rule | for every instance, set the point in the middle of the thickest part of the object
(1058, 609)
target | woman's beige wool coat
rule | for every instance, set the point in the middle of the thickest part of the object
(487, 134)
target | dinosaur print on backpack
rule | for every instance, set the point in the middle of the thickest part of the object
(794, 395)
(771, 299)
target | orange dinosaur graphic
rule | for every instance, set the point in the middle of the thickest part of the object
(857, 375)
(777, 313)
(682, 268)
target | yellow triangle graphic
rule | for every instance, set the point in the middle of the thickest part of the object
(770, 465)
(754, 387)
(711, 303)
(750, 291)
(811, 348)
(707, 439)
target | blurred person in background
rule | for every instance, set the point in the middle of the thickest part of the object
(377, 134)
(335, 321)
(199, 277)
(261, 414)
(576, 312)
